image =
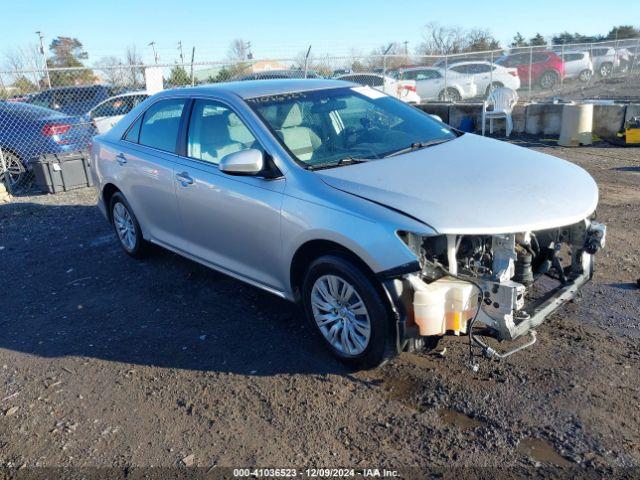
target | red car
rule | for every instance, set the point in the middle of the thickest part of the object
(547, 68)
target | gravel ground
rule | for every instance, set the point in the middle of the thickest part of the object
(106, 361)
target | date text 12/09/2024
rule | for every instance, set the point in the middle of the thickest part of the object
(313, 472)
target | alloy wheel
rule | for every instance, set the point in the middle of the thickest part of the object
(15, 169)
(340, 314)
(124, 226)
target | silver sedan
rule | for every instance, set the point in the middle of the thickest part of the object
(389, 227)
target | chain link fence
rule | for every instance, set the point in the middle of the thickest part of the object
(59, 110)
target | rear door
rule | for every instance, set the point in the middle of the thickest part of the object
(144, 169)
(429, 83)
(231, 222)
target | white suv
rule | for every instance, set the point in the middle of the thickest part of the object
(488, 76)
(577, 65)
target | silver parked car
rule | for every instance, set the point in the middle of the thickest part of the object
(389, 227)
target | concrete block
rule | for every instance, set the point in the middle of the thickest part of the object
(519, 117)
(608, 119)
(633, 110)
(543, 118)
(461, 110)
(440, 109)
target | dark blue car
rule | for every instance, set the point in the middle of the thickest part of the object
(76, 100)
(28, 131)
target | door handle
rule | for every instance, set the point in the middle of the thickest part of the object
(121, 159)
(184, 179)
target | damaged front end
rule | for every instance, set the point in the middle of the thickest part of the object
(506, 283)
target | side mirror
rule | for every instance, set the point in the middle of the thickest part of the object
(245, 162)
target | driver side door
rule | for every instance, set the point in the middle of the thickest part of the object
(230, 222)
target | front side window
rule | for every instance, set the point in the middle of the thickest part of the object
(160, 125)
(216, 131)
(323, 128)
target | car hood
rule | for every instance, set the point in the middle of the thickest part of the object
(474, 185)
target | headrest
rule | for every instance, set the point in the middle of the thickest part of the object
(216, 126)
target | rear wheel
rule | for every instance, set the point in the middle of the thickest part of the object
(16, 171)
(449, 95)
(127, 227)
(585, 76)
(346, 309)
(548, 80)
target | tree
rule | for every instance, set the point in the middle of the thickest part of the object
(134, 62)
(623, 31)
(178, 77)
(446, 40)
(441, 40)
(239, 51)
(480, 40)
(68, 53)
(113, 71)
(537, 40)
(23, 85)
(26, 58)
(518, 41)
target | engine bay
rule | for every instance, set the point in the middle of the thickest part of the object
(517, 279)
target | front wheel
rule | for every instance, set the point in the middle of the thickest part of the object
(492, 87)
(585, 76)
(347, 310)
(606, 69)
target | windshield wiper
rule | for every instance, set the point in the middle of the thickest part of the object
(339, 163)
(418, 146)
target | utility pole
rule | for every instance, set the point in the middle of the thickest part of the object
(181, 55)
(306, 61)
(193, 55)
(152, 44)
(44, 57)
(384, 58)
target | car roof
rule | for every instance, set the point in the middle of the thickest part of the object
(469, 62)
(426, 67)
(260, 88)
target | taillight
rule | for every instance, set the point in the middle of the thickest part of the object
(51, 129)
(513, 73)
(411, 88)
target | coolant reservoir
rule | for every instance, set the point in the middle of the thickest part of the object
(444, 305)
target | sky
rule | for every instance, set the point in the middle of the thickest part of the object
(283, 28)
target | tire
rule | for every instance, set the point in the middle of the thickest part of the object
(585, 75)
(492, 87)
(449, 94)
(360, 337)
(548, 80)
(606, 69)
(16, 171)
(127, 227)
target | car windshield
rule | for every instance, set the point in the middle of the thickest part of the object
(332, 127)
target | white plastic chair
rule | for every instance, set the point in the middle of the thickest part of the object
(499, 104)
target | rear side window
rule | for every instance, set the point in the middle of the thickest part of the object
(160, 124)
(134, 131)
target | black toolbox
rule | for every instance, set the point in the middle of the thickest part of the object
(59, 172)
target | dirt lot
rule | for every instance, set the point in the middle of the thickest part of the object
(108, 361)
